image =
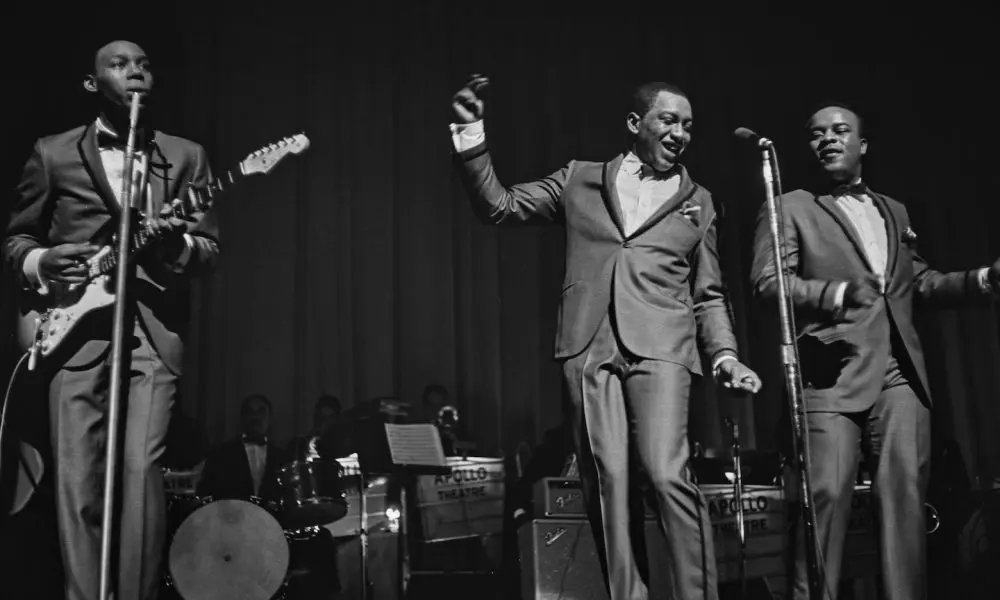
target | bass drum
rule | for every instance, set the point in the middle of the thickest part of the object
(228, 550)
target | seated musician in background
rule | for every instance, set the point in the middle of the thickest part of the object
(327, 439)
(437, 408)
(433, 399)
(247, 465)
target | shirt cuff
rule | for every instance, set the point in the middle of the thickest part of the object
(720, 360)
(30, 269)
(185, 255)
(838, 299)
(983, 277)
(467, 135)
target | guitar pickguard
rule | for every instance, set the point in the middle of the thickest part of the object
(49, 326)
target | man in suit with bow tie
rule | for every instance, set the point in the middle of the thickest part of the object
(248, 465)
(66, 207)
(855, 279)
(643, 294)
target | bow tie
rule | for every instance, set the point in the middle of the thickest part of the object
(255, 440)
(853, 189)
(109, 140)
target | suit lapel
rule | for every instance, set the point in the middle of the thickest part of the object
(271, 466)
(829, 203)
(94, 165)
(685, 189)
(158, 177)
(609, 192)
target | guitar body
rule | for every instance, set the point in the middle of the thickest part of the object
(50, 319)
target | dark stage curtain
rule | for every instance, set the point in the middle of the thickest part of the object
(359, 269)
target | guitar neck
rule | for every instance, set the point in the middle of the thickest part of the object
(198, 200)
(226, 180)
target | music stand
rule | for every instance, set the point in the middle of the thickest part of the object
(387, 449)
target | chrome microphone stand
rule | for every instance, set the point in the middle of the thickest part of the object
(790, 357)
(738, 496)
(117, 352)
(363, 534)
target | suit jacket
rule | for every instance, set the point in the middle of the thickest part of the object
(227, 472)
(662, 283)
(844, 357)
(64, 196)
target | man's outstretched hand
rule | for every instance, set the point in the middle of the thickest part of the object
(467, 103)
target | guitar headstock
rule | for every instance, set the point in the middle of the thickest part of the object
(268, 157)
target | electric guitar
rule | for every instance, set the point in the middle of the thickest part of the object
(46, 321)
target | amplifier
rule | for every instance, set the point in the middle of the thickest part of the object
(562, 497)
(559, 560)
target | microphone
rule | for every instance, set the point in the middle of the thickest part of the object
(734, 427)
(749, 134)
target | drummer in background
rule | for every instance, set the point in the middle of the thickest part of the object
(246, 466)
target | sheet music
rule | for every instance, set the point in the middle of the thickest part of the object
(415, 444)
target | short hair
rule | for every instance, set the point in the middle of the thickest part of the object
(644, 96)
(246, 403)
(433, 388)
(328, 401)
(835, 103)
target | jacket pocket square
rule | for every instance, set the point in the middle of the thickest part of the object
(690, 212)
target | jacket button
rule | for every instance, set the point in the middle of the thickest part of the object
(626, 244)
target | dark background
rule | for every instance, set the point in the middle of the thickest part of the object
(358, 268)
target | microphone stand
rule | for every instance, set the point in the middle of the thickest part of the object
(790, 361)
(363, 538)
(738, 493)
(117, 353)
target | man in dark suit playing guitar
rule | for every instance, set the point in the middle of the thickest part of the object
(855, 278)
(67, 206)
(643, 294)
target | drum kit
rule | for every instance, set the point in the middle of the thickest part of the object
(246, 548)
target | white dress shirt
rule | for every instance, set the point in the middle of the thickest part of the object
(640, 189)
(113, 160)
(867, 221)
(257, 459)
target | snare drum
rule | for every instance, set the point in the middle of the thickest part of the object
(228, 549)
(311, 493)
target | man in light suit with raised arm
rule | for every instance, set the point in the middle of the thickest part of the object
(643, 297)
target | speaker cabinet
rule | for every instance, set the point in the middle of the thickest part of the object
(559, 560)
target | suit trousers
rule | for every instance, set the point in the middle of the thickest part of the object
(78, 402)
(623, 406)
(894, 437)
